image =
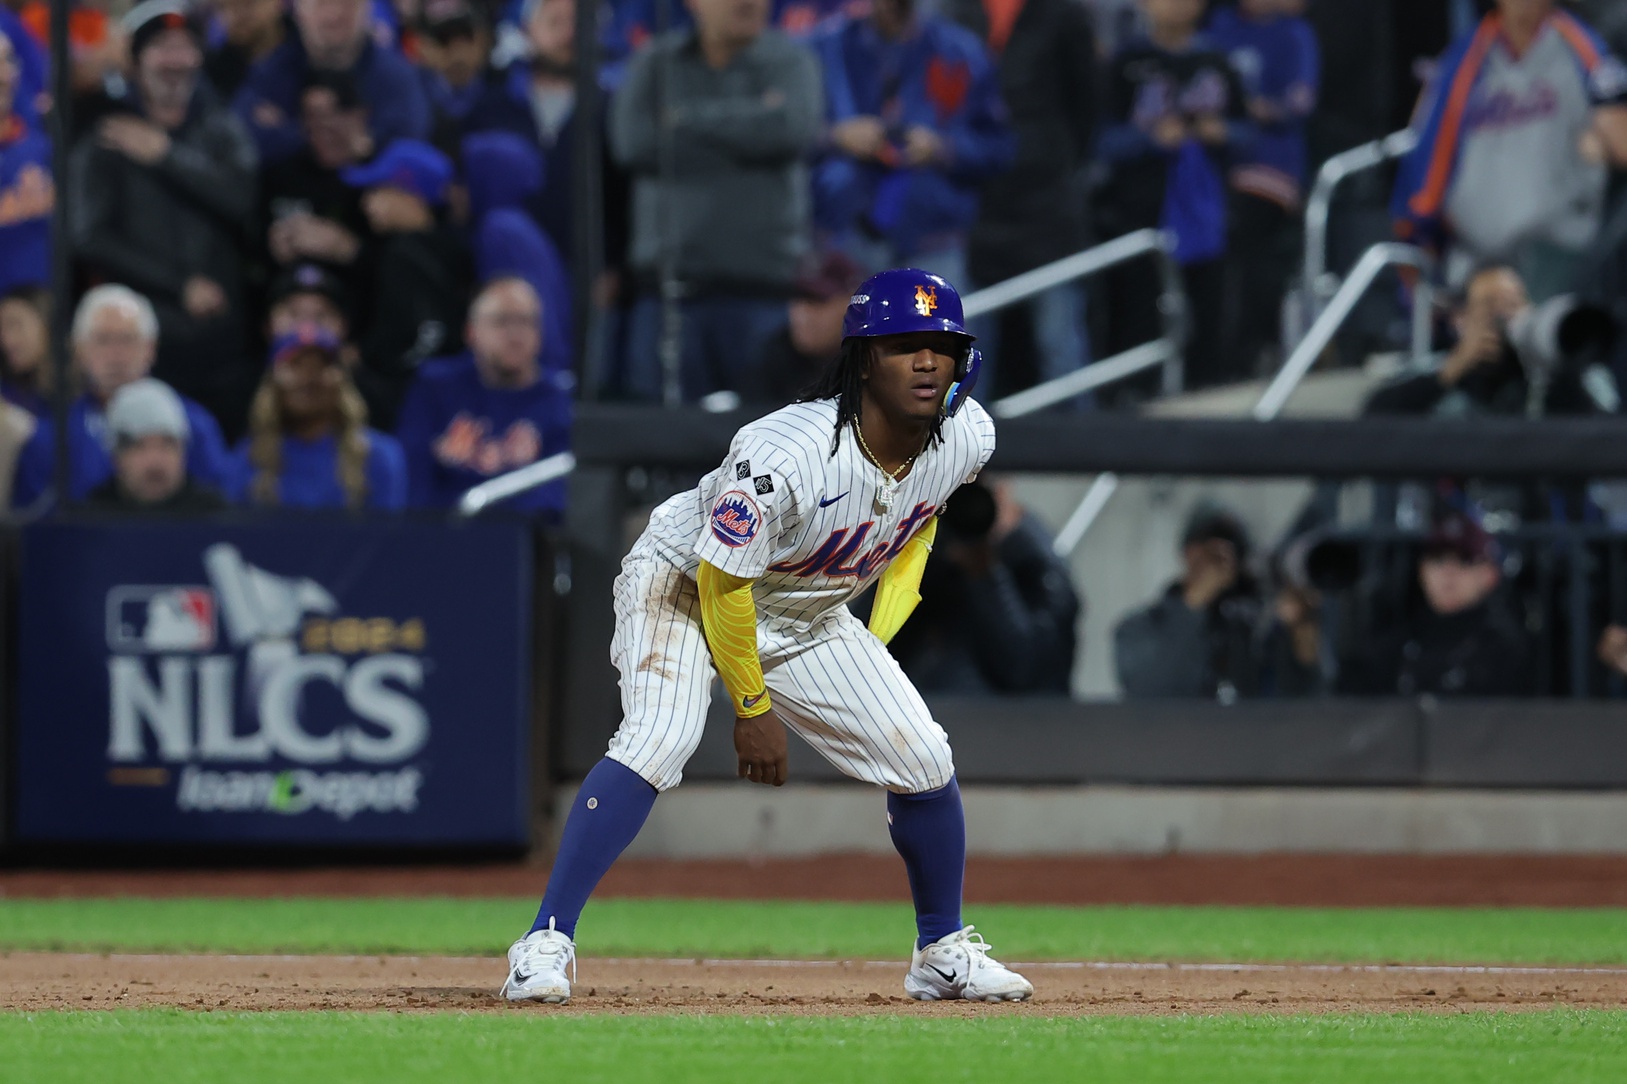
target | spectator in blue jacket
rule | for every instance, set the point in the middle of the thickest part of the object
(916, 124)
(1275, 55)
(115, 339)
(309, 445)
(333, 36)
(491, 410)
(26, 192)
(1174, 120)
(29, 91)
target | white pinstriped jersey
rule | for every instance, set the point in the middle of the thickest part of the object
(782, 510)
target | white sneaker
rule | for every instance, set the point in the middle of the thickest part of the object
(537, 964)
(959, 966)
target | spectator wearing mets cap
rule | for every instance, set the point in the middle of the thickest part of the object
(309, 444)
(308, 293)
(157, 197)
(332, 36)
(417, 271)
(1457, 636)
(148, 429)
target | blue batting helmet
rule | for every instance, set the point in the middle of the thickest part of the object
(907, 300)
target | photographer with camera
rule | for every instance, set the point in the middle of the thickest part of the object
(1512, 357)
(1199, 639)
(998, 610)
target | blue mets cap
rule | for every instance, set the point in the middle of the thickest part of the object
(902, 301)
(304, 337)
(409, 165)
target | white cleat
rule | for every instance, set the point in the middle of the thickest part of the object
(537, 964)
(959, 966)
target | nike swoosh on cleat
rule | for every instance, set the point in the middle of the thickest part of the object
(521, 978)
(828, 501)
(947, 976)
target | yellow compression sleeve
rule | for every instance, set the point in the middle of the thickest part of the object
(729, 615)
(900, 587)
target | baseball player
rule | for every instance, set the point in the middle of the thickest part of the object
(748, 576)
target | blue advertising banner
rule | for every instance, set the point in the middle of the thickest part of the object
(287, 682)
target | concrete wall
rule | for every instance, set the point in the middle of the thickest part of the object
(726, 820)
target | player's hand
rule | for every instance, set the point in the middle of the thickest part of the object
(760, 744)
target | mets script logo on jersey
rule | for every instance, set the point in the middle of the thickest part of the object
(843, 553)
(735, 518)
(926, 301)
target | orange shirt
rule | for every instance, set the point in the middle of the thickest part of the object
(1002, 17)
(87, 27)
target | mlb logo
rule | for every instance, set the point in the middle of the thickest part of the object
(156, 619)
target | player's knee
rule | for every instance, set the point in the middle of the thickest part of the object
(659, 758)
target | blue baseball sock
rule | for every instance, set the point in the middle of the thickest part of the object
(608, 812)
(929, 831)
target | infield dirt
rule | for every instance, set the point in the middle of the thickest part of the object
(54, 981)
(1281, 879)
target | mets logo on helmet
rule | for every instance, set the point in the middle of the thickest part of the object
(926, 300)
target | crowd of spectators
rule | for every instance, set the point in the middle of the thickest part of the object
(354, 172)
(323, 250)
(412, 149)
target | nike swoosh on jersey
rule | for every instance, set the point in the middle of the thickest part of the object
(828, 501)
(753, 701)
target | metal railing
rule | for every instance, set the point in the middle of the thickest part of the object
(1375, 260)
(1298, 363)
(515, 482)
(1316, 284)
(1164, 351)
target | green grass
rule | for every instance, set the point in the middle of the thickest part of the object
(174, 1047)
(789, 929)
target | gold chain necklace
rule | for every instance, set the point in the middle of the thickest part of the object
(889, 485)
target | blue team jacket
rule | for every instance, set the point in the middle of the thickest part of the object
(1278, 60)
(397, 107)
(939, 77)
(33, 68)
(90, 458)
(457, 433)
(26, 198)
(310, 474)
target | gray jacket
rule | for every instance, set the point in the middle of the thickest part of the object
(733, 201)
(1169, 649)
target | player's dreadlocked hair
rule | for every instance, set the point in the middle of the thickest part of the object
(843, 381)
